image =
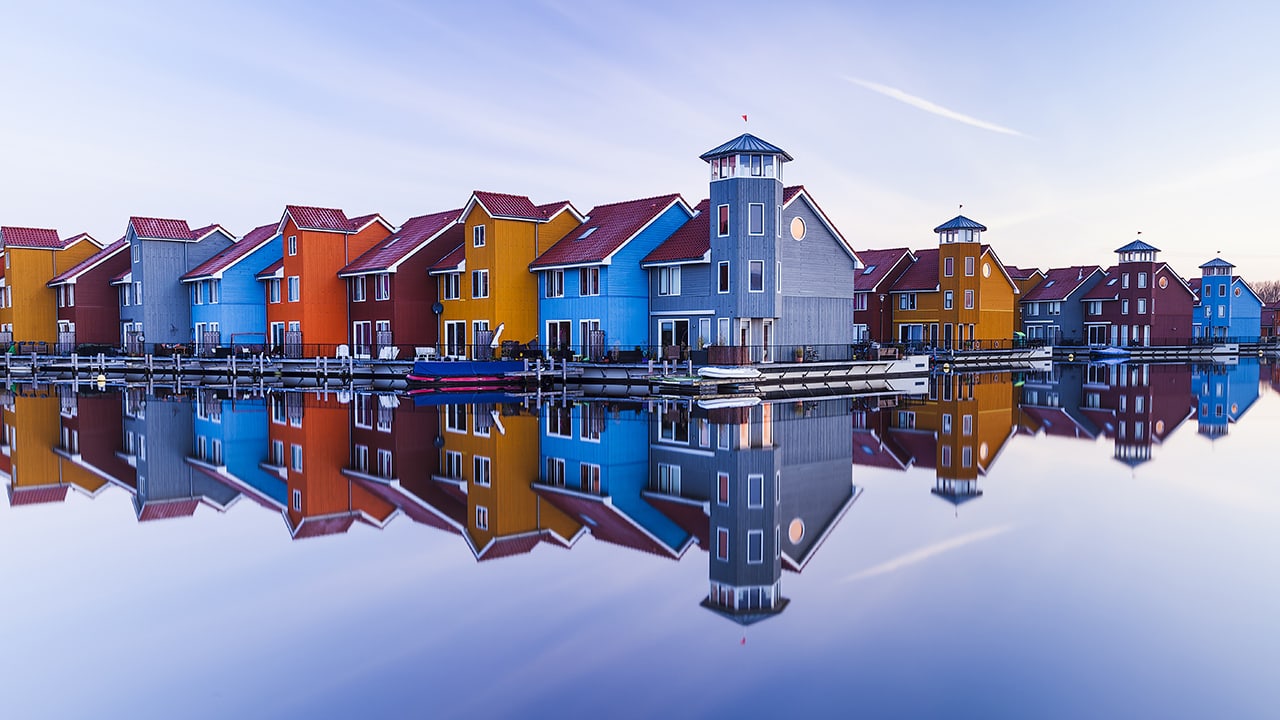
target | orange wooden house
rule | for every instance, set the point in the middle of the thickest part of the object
(487, 292)
(307, 311)
(33, 257)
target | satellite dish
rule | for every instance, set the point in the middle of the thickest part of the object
(437, 308)
(438, 442)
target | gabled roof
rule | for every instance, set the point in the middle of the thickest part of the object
(68, 242)
(89, 263)
(1194, 284)
(877, 266)
(274, 270)
(550, 210)
(606, 229)
(37, 238)
(509, 545)
(516, 207)
(204, 232)
(1137, 246)
(690, 243)
(37, 495)
(960, 222)
(790, 194)
(121, 278)
(218, 264)
(745, 143)
(160, 228)
(416, 233)
(327, 219)
(1107, 289)
(1018, 273)
(166, 509)
(693, 516)
(1216, 263)
(453, 262)
(608, 522)
(921, 276)
(1059, 283)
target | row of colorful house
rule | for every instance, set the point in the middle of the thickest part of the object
(503, 274)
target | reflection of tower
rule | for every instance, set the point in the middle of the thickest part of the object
(1224, 393)
(1145, 403)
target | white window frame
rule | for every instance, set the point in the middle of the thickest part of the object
(381, 287)
(554, 283)
(755, 482)
(588, 281)
(755, 547)
(295, 288)
(669, 280)
(724, 277)
(755, 219)
(479, 283)
(451, 286)
(722, 221)
(481, 471)
(359, 289)
(293, 245)
(751, 276)
(477, 236)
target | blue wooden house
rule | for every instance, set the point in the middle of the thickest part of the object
(1224, 393)
(778, 275)
(595, 466)
(228, 306)
(593, 293)
(1228, 308)
(154, 304)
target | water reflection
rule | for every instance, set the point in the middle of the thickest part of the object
(757, 487)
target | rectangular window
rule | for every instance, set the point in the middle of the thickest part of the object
(451, 286)
(722, 488)
(968, 267)
(197, 293)
(755, 491)
(560, 421)
(948, 267)
(755, 219)
(295, 288)
(589, 281)
(669, 280)
(722, 331)
(297, 500)
(777, 279)
(1222, 309)
(1222, 291)
(382, 286)
(1142, 279)
(480, 471)
(277, 452)
(135, 251)
(555, 283)
(295, 451)
(1124, 280)
(946, 423)
(555, 472)
(1142, 306)
(453, 464)
(722, 543)
(137, 292)
(755, 547)
(482, 517)
(968, 300)
(722, 277)
(589, 478)
(755, 276)
(384, 464)
(722, 220)
(273, 290)
(358, 288)
(907, 301)
(293, 245)
(477, 236)
(215, 290)
(947, 299)
(360, 458)
(966, 457)
(966, 424)
(455, 418)
(1124, 307)
(479, 283)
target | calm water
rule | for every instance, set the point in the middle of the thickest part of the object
(1095, 542)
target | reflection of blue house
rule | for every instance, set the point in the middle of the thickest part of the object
(1224, 392)
(230, 440)
(1228, 307)
(777, 273)
(157, 436)
(594, 467)
(594, 296)
(227, 302)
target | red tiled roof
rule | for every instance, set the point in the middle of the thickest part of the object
(314, 218)
(1058, 283)
(870, 450)
(1195, 286)
(77, 238)
(41, 238)
(37, 495)
(606, 229)
(691, 242)
(689, 515)
(550, 210)
(256, 238)
(508, 546)
(161, 228)
(878, 263)
(921, 446)
(1107, 289)
(790, 193)
(90, 262)
(452, 260)
(119, 277)
(199, 233)
(1056, 421)
(407, 240)
(607, 522)
(359, 223)
(270, 270)
(1018, 273)
(922, 275)
(166, 509)
(509, 206)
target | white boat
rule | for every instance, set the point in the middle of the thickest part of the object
(729, 373)
(717, 403)
(1109, 351)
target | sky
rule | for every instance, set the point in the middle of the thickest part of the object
(1067, 129)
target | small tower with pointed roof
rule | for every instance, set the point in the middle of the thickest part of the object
(959, 260)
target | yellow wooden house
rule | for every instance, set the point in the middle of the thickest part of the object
(33, 257)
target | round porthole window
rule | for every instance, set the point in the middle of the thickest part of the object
(1237, 292)
(797, 228)
(1164, 282)
(983, 451)
(986, 269)
(795, 531)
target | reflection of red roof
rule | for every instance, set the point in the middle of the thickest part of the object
(256, 238)
(606, 229)
(437, 228)
(605, 521)
(922, 275)
(419, 509)
(40, 238)
(876, 266)
(1059, 283)
(508, 546)
(37, 495)
(1056, 422)
(690, 515)
(870, 450)
(691, 241)
(160, 228)
(452, 260)
(921, 446)
(165, 509)
(330, 525)
(90, 262)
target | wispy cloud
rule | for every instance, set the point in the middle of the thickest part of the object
(929, 551)
(932, 107)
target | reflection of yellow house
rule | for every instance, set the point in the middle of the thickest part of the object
(33, 257)
(958, 293)
(487, 284)
(491, 457)
(37, 473)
